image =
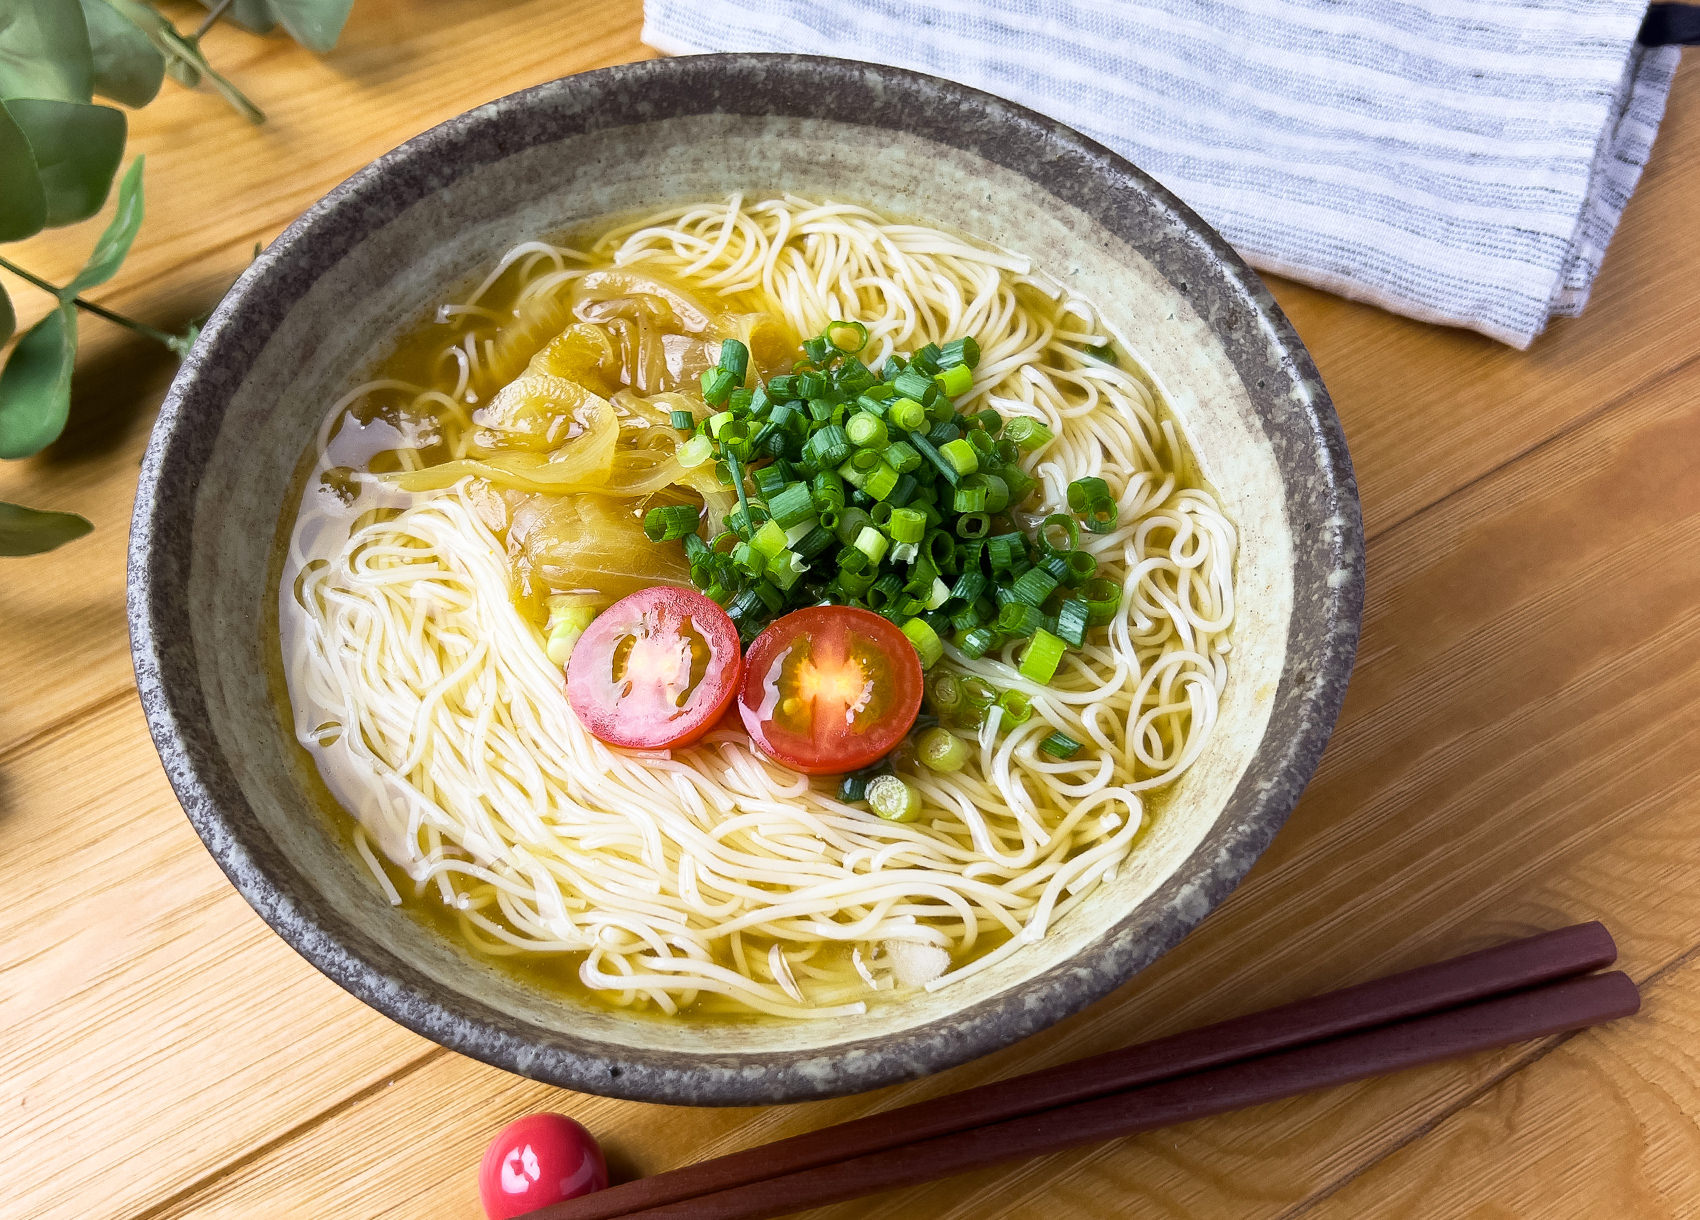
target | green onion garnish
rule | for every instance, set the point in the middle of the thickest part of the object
(955, 380)
(1073, 617)
(938, 749)
(1060, 745)
(1027, 433)
(1039, 662)
(893, 800)
(668, 523)
(926, 641)
(684, 421)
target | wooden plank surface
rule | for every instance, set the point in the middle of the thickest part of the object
(1519, 749)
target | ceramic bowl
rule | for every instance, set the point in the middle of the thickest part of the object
(308, 316)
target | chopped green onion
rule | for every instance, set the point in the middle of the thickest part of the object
(926, 641)
(960, 351)
(813, 543)
(1017, 707)
(893, 800)
(1103, 599)
(907, 525)
(1085, 492)
(961, 456)
(902, 457)
(968, 499)
(938, 749)
(1102, 351)
(1018, 618)
(851, 524)
(1081, 566)
(915, 385)
(944, 692)
(881, 481)
(1060, 745)
(565, 626)
(853, 788)
(931, 453)
(1050, 543)
(856, 328)
(770, 480)
(871, 543)
(791, 505)
(783, 388)
(866, 431)
(694, 452)
(937, 596)
(1028, 433)
(1034, 586)
(906, 413)
(684, 421)
(970, 585)
(1020, 483)
(973, 526)
(955, 380)
(977, 642)
(717, 384)
(1002, 549)
(1072, 619)
(734, 358)
(670, 522)
(1039, 662)
(786, 569)
(769, 540)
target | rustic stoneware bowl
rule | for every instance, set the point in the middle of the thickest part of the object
(308, 316)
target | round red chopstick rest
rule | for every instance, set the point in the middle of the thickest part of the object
(538, 1160)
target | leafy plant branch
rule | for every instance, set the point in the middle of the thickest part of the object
(59, 154)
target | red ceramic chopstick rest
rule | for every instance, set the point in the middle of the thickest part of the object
(538, 1160)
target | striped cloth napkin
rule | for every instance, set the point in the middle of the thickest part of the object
(1460, 161)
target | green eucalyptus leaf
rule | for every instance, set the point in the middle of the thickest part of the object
(127, 67)
(8, 319)
(76, 148)
(35, 385)
(30, 531)
(23, 204)
(254, 15)
(184, 62)
(44, 51)
(114, 244)
(315, 24)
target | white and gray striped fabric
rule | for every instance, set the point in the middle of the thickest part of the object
(1460, 161)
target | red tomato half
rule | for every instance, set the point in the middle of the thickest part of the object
(538, 1160)
(655, 669)
(830, 689)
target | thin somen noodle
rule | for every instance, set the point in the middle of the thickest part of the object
(450, 512)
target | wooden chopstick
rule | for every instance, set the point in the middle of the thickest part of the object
(1505, 968)
(1551, 1009)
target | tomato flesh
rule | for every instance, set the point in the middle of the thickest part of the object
(655, 669)
(830, 689)
(538, 1160)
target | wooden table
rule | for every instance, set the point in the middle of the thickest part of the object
(1520, 749)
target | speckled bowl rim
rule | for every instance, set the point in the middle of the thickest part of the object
(1062, 162)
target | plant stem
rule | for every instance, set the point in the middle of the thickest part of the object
(211, 20)
(99, 311)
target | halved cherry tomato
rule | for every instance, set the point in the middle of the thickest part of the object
(655, 669)
(830, 689)
(538, 1160)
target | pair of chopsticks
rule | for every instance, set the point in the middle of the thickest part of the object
(1511, 993)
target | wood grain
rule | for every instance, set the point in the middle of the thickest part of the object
(1459, 805)
(1603, 1126)
(1518, 750)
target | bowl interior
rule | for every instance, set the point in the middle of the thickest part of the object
(311, 315)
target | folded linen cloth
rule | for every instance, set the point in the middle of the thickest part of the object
(1461, 161)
